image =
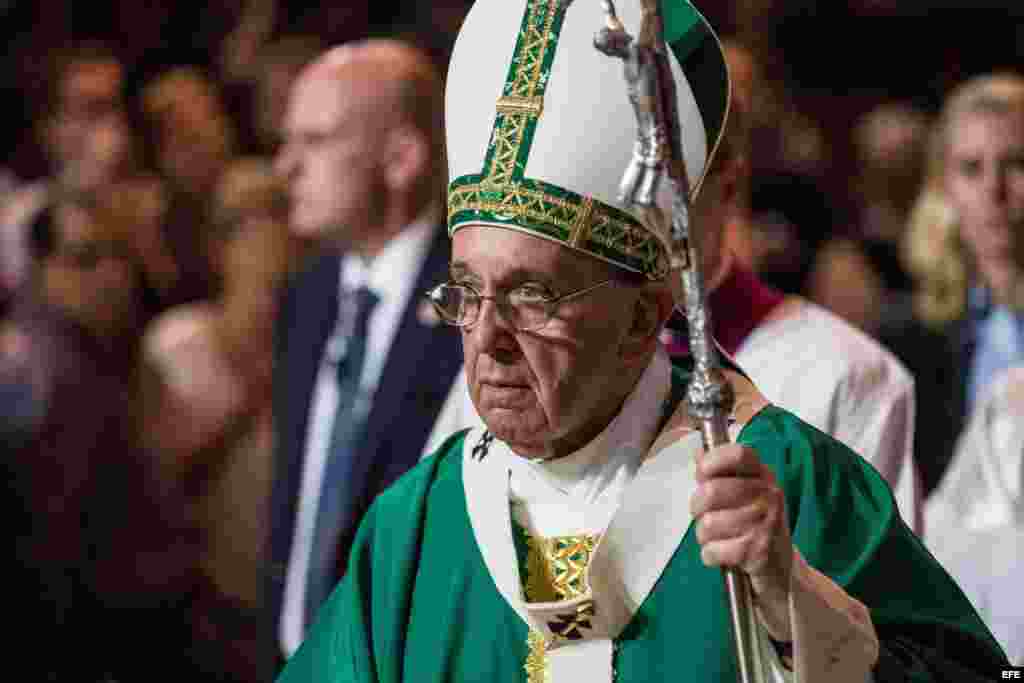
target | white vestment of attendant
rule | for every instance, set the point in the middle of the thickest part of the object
(833, 376)
(635, 492)
(974, 520)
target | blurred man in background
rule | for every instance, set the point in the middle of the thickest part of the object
(362, 363)
(102, 550)
(192, 141)
(81, 125)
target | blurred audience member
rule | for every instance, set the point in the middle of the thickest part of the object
(843, 279)
(193, 140)
(966, 252)
(142, 201)
(193, 135)
(334, 22)
(363, 363)
(788, 218)
(207, 409)
(237, 60)
(88, 269)
(433, 27)
(891, 147)
(779, 213)
(782, 137)
(101, 551)
(744, 76)
(95, 149)
(13, 251)
(82, 127)
(279, 62)
(975, 519)
(857, 272)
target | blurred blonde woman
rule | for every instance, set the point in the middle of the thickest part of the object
(965, 249)
(208, 399)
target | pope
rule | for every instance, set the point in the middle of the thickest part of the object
(578, 535)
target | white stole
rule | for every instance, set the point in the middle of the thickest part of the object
(639, 540)
(833, 633)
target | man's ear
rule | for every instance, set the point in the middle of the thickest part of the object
(651, 310)
(406, 157)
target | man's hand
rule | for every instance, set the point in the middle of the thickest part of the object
(741, 523)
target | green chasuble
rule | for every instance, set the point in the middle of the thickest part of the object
(418, 603)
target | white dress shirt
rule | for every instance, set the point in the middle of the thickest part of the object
(391, 275)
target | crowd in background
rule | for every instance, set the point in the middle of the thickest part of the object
(144, 244)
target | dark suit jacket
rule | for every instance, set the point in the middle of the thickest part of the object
(939, 360)
(417, 375)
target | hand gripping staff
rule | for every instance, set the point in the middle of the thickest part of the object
(657, 160)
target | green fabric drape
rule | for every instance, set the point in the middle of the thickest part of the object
(418, 603)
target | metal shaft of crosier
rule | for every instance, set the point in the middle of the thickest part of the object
(657, 160)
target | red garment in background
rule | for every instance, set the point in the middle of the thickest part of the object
(738, 305)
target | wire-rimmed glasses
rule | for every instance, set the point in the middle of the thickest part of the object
(528, 307)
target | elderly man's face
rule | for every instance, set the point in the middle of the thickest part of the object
(547, 392)
(331, 157)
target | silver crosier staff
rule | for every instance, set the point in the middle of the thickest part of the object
(657, 160)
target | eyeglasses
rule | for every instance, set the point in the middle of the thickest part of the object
(528, 307)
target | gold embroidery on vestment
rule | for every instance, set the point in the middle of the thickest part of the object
(556, 570)
(556, 567)
(536, 665)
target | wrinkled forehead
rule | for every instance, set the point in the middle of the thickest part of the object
(500, 254)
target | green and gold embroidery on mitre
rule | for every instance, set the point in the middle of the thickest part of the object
(501, 194)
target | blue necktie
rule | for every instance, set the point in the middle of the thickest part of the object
(342, 484)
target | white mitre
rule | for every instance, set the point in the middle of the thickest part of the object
(540, 127)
